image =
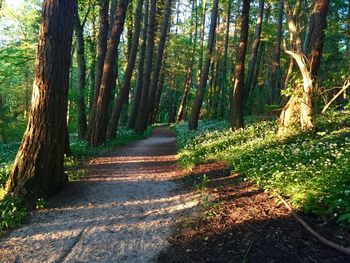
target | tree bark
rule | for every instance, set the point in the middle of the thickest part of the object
(307, 68)
(238, 87)
(201, 42)
(99, 127)
(189, 70)
(159, 59)
(197, 104)
(136, 103)
(142, 116)
(101, 54)
(276, 75)
(125, 90)
(81, 72)
(38, 169)
(255, 47)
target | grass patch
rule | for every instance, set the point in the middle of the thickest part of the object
(312, 170)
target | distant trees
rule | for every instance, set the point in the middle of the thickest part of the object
(38, 168)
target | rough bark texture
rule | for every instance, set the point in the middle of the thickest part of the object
(238, 88)
(142, 116)
(81, 79)
(197, 104)
(38, 168)
(135, 107)
(255, 47)
(125, 90)
(101, 54)
(99, 126)
(159, 59)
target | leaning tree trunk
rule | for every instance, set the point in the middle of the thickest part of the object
(238, 88)
(134, 110)
(81, 72)
(197, 104)
(141, 123)
(125, 90)
(255, 48)
(101, 55)
(38, 169)
(99, 127)
(159, 59)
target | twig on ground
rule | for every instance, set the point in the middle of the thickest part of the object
(325, 241)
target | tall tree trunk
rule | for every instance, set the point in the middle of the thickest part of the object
(201, 42)
(223, 78)
(136, 103)
(197, 104)
(99, 127)
(255, 47)
(238, 88)
(142, 116)
(81, 72)
(123, 96)
(189, 69)
(38, 169)
(159, 59)
(101, 54)
(276, 75)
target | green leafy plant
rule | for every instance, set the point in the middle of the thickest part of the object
(12, 213)
(40, 204)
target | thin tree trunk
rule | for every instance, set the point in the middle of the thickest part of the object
(255, 47)
(189, 70)
(99, 127)
(125, 90)
(159, 59)
(223, 79)
(38, 169)
(201, 42)
(101, 54)
(238, 88)
(135, 107)
(276, 63)
(142, 116)
(81, 72)
(197, 104)
(158, 97)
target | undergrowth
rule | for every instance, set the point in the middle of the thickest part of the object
(12, 212)
(312, 170)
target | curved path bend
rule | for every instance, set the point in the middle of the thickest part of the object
(122, 211)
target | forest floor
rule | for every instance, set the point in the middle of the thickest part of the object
(123, 210)
(137, 205)
(241, 223)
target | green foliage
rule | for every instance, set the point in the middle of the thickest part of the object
(313, 170)
(12, 213)
(40, 204)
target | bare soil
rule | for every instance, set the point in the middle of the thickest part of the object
(240, 223)
(122, 211)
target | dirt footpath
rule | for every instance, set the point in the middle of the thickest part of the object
(122, 211)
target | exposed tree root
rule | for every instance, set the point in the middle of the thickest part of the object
(325, 241)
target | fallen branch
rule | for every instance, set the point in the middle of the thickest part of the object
(345, 87)
(325, 241)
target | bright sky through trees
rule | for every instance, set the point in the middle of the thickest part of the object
(14, 3)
